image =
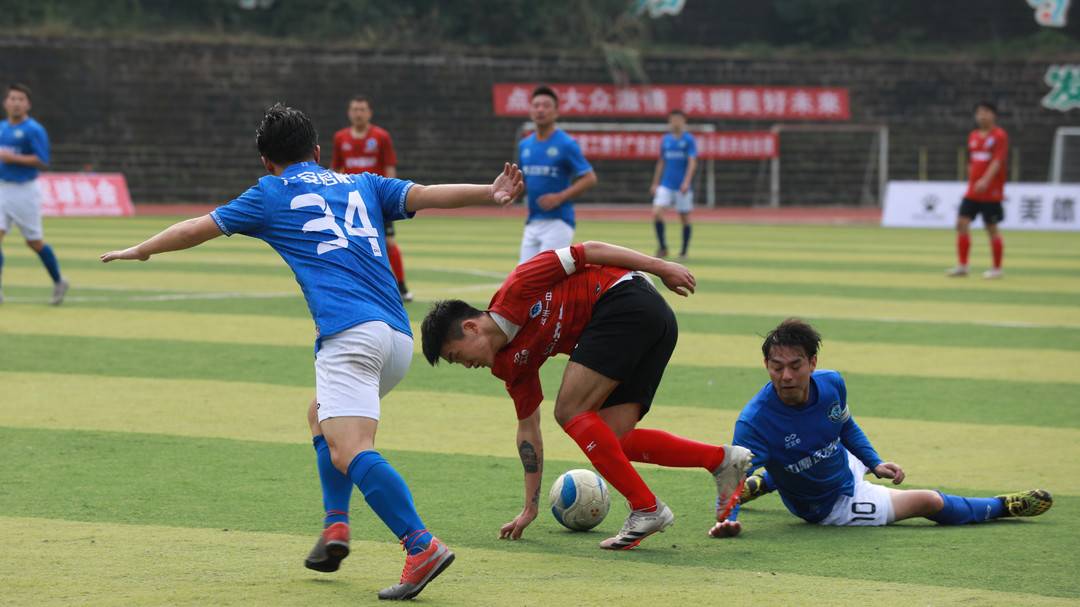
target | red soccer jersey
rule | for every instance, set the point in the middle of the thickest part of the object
(550, 298)
(982, 150)
(370, 154)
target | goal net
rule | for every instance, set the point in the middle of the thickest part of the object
(1065, 161)
(826, 164)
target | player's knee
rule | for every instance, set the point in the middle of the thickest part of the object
(36, 245)
(933, 503)
(313, 413)
(564, 414)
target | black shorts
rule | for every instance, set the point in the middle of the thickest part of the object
(992, 213)
(389, 228)
(629, 338)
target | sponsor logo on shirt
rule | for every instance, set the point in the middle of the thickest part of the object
(521, 358)
(981, 156)
(791, 441)
(838, 413)
(811, 460)
(539, 170)
(361, 162)
(346, 147)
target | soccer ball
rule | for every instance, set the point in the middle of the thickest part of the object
(580, 500)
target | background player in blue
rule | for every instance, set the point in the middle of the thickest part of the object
(673, 181)
(328, 227)
(556, 172)
(24, 150)
(800, 429)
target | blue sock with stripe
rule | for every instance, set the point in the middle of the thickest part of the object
(964, 510)
(336, 487)
(659, 225)
(389, 496)
(49, 259)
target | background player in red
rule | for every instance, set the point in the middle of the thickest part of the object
(988, 149)
(590, 301)
(364, 147)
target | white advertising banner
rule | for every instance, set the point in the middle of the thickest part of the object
(1028, 206)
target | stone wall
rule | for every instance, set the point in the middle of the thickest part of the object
(178, 118)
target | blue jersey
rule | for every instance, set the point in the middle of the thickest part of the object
(805, 448)
(328, 228)
(27, 137)
(551, 166)
(676, 154)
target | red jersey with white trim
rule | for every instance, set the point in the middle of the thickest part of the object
(369, 154)
(550, 298)
(982, 150)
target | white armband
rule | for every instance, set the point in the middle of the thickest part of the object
(567, 259)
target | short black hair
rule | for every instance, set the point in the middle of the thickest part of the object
(286, 135)
(988, 105)
(22, 88)
(443, 323)
(360, 99)
(793, 333)
(544, 89)
(677, 112)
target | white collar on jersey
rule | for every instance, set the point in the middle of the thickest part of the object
(507, 327)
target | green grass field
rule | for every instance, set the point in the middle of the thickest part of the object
(154, 449)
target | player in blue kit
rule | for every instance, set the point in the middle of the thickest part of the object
(24, 151)
(328, 227)
(556, 172)
(800, 429)
(673, 181)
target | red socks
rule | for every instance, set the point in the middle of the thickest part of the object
(394, 252)
(963, 247)
(601, 446)
(997, 246)
(664, 449)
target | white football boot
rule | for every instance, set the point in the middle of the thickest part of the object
(640, 525)
(730, 476)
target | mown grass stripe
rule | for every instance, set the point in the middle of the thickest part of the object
(964, 400)
(264, 574)
(983, 455)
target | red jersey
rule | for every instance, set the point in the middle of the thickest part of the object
(982, 150)
(550, 299)
(369, 154)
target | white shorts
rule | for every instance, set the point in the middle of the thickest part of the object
(666, 197)
(544, 235)
(20, 204)
(358, 366)
(870, 506)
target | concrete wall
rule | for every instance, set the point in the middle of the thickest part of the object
(178, 118)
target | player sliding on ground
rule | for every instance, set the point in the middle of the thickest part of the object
(589, 301)
(801, 430)
(328, 227)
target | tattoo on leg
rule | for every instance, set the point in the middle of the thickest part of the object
(536, 496)
(528, 457)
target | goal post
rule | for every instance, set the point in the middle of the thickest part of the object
(849, 162)
(1065, 159)
(638, 127)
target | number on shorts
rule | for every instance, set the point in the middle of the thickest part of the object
(329, 223)
(863, 508)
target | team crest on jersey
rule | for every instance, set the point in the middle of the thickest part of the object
(18, 134)
(526, 153)
(989, 142)
(553, 151)
(521, 358)
(371, 145)
(535, 310)
(838, 413)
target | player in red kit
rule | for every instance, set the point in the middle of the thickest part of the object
(988, 149)
(366, 148)
(590, 301)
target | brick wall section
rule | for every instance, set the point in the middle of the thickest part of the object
(178, 118)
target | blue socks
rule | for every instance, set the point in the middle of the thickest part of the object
(49, 259)
(685, 239)
(659, 225)
(336, 487)
(965, 510)
(388, 495)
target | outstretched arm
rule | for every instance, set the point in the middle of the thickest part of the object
(183, 235)
(675, 277)
(507, 186)
(530, 444)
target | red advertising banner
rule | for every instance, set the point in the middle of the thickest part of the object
(744, 145)
(84, 194)
(733, 102)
